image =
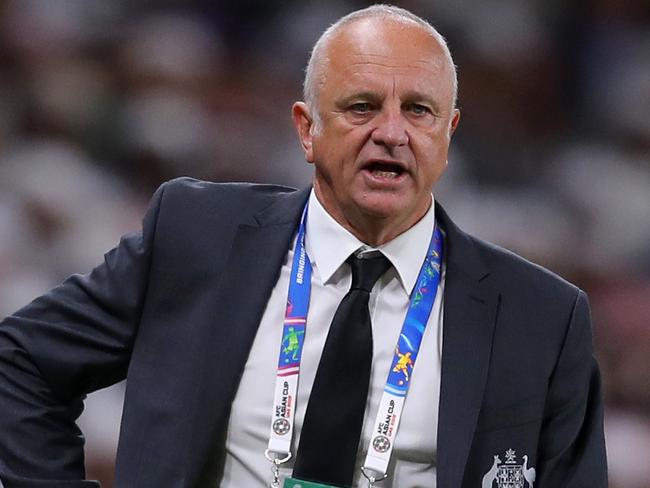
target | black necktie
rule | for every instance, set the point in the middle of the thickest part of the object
(330, 433)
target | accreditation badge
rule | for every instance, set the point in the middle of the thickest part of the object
(296, 483)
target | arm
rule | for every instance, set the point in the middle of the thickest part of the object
(572, 444)
(73, 340)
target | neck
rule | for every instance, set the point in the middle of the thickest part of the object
(373, 232)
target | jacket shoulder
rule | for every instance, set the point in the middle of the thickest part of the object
(203, 201)
(517, 272)
(193, 188)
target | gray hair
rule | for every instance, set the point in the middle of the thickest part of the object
(314, 71)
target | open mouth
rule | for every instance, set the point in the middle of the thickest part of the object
(385, 170)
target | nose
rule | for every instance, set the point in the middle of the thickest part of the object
(390, 130)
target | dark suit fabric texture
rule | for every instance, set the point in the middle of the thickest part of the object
(175, 309)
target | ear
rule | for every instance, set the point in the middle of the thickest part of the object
(303, 122)
(454, 122)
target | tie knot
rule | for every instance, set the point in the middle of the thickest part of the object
(367, 270)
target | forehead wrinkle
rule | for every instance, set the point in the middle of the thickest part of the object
(375, 58)
(368, 55)
(428, 60)
(362, 67)
(372, 57)
(398, 79)
(419, 65)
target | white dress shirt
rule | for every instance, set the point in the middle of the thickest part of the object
(328, 245)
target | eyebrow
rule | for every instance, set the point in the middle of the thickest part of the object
(414, 96)
(361, 95)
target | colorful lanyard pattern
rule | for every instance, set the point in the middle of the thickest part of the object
(406, 352)
(400, 373)
(293, 337)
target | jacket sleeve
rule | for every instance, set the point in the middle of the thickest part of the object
(73, 340)
(572, 445)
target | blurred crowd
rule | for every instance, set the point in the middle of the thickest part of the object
(101, 101)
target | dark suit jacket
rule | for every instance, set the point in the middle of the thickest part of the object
(175, 308)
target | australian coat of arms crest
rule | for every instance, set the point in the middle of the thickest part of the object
(509, 474)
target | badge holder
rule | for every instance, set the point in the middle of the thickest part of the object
(367, 473)
(296, 483)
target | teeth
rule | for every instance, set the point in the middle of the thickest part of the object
(385, 174)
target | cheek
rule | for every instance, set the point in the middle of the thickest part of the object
(331, 146)
(432, 161)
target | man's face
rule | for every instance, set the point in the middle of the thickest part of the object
(386, 113)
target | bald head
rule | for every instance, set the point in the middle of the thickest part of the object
(381, 91)
(377, 14)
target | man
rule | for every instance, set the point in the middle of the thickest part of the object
(504, 390)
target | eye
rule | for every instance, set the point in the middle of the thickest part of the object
(360, 107)
(418, 109)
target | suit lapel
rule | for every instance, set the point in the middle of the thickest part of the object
(251, 271)
(469, 320)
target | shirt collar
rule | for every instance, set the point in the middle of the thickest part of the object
(334, 244)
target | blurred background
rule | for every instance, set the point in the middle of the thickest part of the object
(101, 101)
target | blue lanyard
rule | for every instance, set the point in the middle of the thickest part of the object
(415, 322)
(293, 336)
(295, 318)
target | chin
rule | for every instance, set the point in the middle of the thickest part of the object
(386, 210)
(395, 201)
